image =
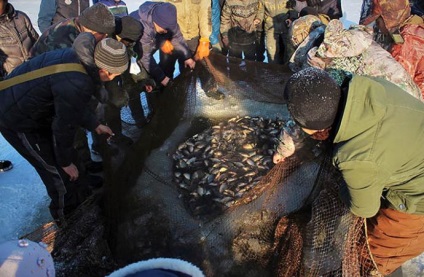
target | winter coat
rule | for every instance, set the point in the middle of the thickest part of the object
(274, 13)
(118, 9)
(193, 17)
(239, 14)
(59, 36)
(54, 11)
(151, 41)
(17, 36)
(377, 148)
(410, 53)
(355, 51)
(55, 103)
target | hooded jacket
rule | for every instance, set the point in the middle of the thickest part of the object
(379, 146)
(55, 103)
(17, 36)
(150, 41)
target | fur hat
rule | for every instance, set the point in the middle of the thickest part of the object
(98, 18)
(128, 28)
(111, 55)
(165, 15)
(312, 98)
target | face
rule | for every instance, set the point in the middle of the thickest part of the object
(159, 29)
(318, 134)
(106, 76)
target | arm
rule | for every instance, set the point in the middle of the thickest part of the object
(71, 95)
(362, 193)
(204, 18)
(225, 19)
(46, 14)
(216, 22)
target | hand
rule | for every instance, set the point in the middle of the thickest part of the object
(148, 88)
(72, 171)
(167, 47)
(103, 129)
(225, 41)
(256, 22)
(165, 81)
(315, 61)
(278, 158)
(288, 22)
(190, 63)
(202, 49)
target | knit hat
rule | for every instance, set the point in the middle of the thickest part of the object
(98, 18)
(23, 258)
(128, 28)
(165, 15)
(111, 55)
(312, 98)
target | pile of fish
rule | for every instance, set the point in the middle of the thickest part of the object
(216, 167)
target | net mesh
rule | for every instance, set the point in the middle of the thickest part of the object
(199, 185)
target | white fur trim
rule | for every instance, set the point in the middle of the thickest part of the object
(159, 263)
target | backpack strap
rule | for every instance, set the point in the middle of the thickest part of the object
(42, 72)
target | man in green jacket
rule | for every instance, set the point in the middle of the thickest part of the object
(377, 133)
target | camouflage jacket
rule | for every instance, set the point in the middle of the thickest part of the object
(60, 35)
(17, 36)
(241, 14)
(355, 51)
(193, 17)
(275, 13)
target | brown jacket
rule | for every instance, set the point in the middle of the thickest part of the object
(193, 17)
(239, 13)
(17, 36)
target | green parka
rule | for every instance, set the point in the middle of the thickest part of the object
(379, 148)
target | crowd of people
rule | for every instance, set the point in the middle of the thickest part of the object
(364, 92)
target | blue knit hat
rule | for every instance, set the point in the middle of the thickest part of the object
(165, 15)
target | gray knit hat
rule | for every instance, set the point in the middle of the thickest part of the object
(111, 55)
(312, 98)
(98, 18)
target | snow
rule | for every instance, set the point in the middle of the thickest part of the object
(23, 198)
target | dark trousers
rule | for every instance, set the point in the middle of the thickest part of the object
(37, 149)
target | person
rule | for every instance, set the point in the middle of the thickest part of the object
(401, 33)
(215, 37)
(54, 11)
(352, 50)
(365, 119)
(17, 36)
(97, 20)
(161, 30)
(195, 26)
(39, 115)
(332, 8)
(23, 257)
(117, 7)
(159, 267)
(277, 16)
(239, 21)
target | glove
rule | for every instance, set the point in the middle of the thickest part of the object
(167, 47)
(202, 49)
(291, 138)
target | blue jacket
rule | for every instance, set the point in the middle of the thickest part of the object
(55, 103)
(150, 41)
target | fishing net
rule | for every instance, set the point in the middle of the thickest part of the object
(199, 184)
